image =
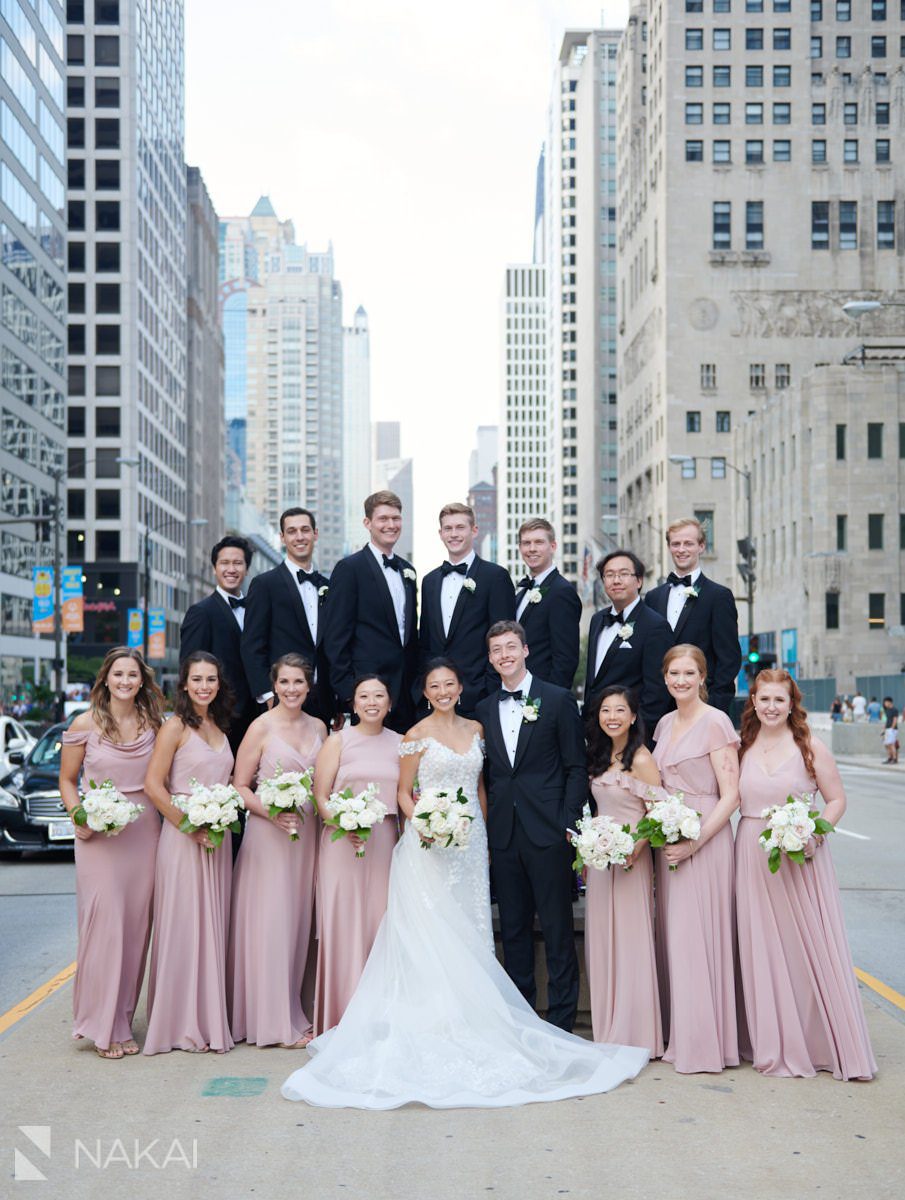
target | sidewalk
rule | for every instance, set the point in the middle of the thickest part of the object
(667, 1136)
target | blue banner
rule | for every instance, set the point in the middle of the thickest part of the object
(789, 645)
(135, 627)
(42, 599)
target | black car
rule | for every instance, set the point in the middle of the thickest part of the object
(32, 815)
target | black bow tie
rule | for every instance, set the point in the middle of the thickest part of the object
(237, 602)
(611, 618)
(391, 564)
(527, 582)
(678, 580)
(448, 568)
(504, 695)
(306, 576)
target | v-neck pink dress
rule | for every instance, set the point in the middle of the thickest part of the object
(801, 999)
(696, 907)
(187, 984)
(272, 911)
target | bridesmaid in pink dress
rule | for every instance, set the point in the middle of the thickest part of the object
(697, 754)
(114, 875)
(273, 890)
(187, 987)
(801, 1000)
(619, 912)
(352, 892)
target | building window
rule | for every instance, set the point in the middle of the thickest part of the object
(75, 50)
(107, 339)
(106, 133)
(722, 152)
(843, 47)
(841, 531)
(782, 6)
(782, 77)
(722, 77)
(902, 535)
(841, 431)
(782, 150)
(689, 468)
(782, 114)
(75, 133)
(754, 152)
(843, 10)
(106, 174)
(832, 610)
(722, 6)
(106, 215)
(820, 225)
(76, 256)
(106, 92)
(848, 225)
(692, 421)
(76, 339)
(878, 47)
(875, 439)
(782, 39)
(694, 76)
(816, 47)
(722, 113)
(723, 422)
(782, 376)
(75, 505)
(850, 150)
(75, 414)
(694, 114)
(708, 377)
(757, 376)
(754, 5)
(694, 39)
(106, 12)
(876, 610)
(106, 256)
(754, 39)
(754, 76)
(106, 297)
(106, 505)
(106, 51)
(818, 150)
(850, 114)
(106, 381)
(875, 531)
(76, 293)
(694, 6)
(75, 172)
(816, 10)
(881, 113)
(754, 225)
(881, 150)
(694, 151)
(818, 114)
(754, 113)
(878, 10)
(722, 39)
(886, 224)
(106, 544)
(717, 467)
(722, 224)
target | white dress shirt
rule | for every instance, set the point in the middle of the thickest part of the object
(450, 588)
(677, 597)
(512, 715)
(396, 584)
(308, 593)
(238, 613)
(537, 580)
(608, 633)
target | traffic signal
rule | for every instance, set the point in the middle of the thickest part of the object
(754, 649)
(747, 561)
(757, 660)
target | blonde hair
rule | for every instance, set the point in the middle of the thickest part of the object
(457, 510)
(682, 523)
(537, 524)
(390, 499)
(696, 654)
(148, 699)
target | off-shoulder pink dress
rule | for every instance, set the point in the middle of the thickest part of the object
(187, 984)
(696, 907)
(801, 1000)
(272, 910)
(352, 892)
(619, 930)
(114, 884)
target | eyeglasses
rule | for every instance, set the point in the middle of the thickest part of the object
(609, 576)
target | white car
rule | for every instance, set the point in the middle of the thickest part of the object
(13, 737)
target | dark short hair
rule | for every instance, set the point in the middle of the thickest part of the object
(232, 542)
(298, 512)
(387, 498)
(638, 566)
(498, 628)
(440, 664)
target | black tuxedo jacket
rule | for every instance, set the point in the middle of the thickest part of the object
(635, 663)
(276, 624)
(548, 784)
(210, 625)
(711, 624)
(551, 627)
(361, 633)
(493, 599)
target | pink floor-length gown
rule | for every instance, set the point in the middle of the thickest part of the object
(187, 985)
(803, 1010)
(272, 909)
(352, 892)
(695, 907)
(114, 882)
(619, 930)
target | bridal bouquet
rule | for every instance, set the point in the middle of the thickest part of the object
(600, 842)
(284, 791)
(214, 808)
(355, 812)
(105, 809)
(442, 819)
(789, 827)
(667, 821)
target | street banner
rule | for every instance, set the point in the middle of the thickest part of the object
(134, 628)
(157, 633)
(42, 600)
(73, 600)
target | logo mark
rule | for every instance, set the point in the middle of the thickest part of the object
(25, 1170)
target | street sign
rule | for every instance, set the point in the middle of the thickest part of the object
(42, 600)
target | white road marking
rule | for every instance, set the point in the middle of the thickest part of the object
(862, 837)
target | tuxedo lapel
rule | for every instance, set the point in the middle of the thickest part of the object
(494, 731)
(660, 597)
(433, 587)
(464, 597)
(224, 608)
(525, 730)
(383, 590)
(296, 600)
(688, 606)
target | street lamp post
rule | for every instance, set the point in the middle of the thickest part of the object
(194, 523)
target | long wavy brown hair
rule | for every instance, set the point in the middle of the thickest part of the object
(798, 717)
(148, 701)
(220, 710)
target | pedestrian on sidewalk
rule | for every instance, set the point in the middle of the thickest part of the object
(891, 731)
(859, 707)
(874, 711)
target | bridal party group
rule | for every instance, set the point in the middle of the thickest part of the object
(699, 951)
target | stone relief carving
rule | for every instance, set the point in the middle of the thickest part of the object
(703, 314)
(641, 347)
(811, 314)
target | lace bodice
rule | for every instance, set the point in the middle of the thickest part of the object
(443, 767)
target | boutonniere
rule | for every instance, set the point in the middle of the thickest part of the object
(531, 709)
(410, 574)
(625, 631)
(322, 591)
(469, 584)
(535, 595)
(692, 592)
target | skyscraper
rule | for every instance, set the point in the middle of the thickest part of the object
(32, 331)
(356, 424)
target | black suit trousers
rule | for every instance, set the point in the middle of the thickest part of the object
(531, 879)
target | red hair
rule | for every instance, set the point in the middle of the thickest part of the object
(798, 717)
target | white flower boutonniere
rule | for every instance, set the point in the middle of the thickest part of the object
(469, 584)
(691, 592)
(531, 710)
(625, 631)
(535, 596)
(409, 574)
(322, 591)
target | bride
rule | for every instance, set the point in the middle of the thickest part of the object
(435, 1019)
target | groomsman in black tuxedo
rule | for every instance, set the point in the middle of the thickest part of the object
(627, 640)
(460, 600)
(284, 615)
(215, 624)
(547, 606)
(370, 617)
(700, 611)
(537, 785)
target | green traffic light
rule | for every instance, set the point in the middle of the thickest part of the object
(753, 656)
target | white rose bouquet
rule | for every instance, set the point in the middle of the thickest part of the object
(214, 808)
(600, 842)
(667, 821)
(355, 812)
(789, 828)
(284, 791)
(441, 818)
(104, 809)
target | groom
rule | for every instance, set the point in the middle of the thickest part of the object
(538, 783)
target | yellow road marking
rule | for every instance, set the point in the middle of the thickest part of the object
(30, 1003)
(882, 989)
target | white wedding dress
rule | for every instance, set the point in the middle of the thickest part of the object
(435, 1019)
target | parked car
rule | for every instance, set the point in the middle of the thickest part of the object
(32, 815)
(15, 740)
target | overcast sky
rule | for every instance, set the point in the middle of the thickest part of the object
(407, 132)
